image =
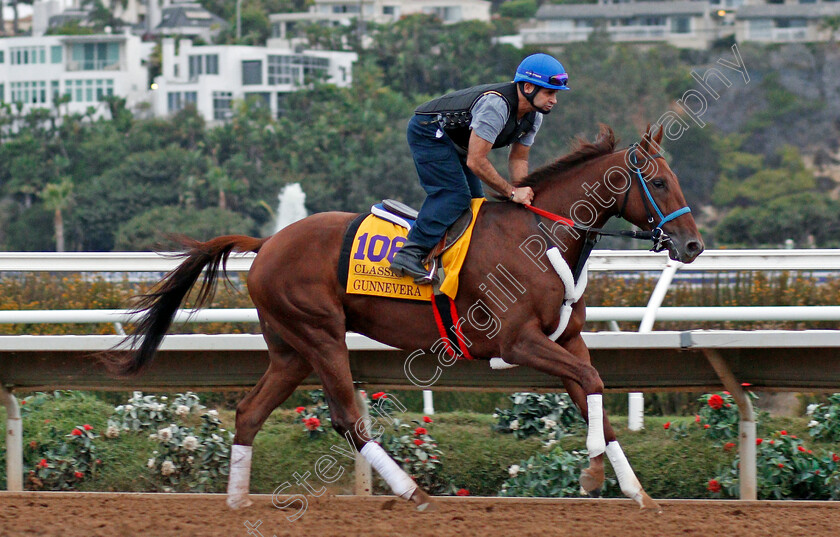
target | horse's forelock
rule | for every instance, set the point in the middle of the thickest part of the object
(582, 151)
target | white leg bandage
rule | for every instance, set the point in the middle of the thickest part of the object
(240, 477)
(402, 485)
(627, 480)
(595, 442)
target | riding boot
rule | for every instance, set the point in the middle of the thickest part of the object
(409, 262)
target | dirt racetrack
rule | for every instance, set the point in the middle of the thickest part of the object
(187, 515)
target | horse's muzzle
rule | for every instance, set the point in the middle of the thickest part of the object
(685, 251)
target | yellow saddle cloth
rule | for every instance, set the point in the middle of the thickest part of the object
(377, 241)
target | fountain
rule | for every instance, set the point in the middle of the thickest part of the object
(290, 207)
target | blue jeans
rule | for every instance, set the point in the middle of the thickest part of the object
(444, 175)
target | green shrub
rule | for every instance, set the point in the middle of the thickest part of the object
(314, 419)
(549, 415)
(518, 9)
(825, 419)
(554, 474)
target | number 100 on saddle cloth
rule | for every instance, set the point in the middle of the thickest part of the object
(375, 241)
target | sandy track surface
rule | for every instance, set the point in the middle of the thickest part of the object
(186, 515)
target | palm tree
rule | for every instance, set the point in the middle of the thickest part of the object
(57, 197)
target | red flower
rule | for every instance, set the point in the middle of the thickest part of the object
(697, 418)
(745, 384)
(79, 475)
(667, 425)
(87, 427)
(43, 463)
(33, 444)
(793, 436)
(379, 395)
(435, 456)
(427, 419)
(816, 472)
(706, 426)
(772, 442)
(23, 402)
(781, 465)
(300, 409)
(98, 461)
(758, 441)
(835, 457)
(714, 486)
(407, 460)
(76, 432)
(418, 442)
(810, 452)
(46, 422)
(800, 448)
(420, 430)
(727, 393)
(783, 433)
(312, 423)
(463, 492)
(728, 405)
(729, 446)
(716, 401)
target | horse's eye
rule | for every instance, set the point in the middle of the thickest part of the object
(658, 183)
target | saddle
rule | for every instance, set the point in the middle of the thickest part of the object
(401, 214)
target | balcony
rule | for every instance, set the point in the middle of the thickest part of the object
(619, 34)
(94, 65)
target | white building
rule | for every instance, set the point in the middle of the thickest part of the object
(212, 77)
(791, 21)
(684, 24)
(86, 67)
(288, 26)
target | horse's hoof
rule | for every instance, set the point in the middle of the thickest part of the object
(591, 481)
(423, 501)
(238, 502)
(646, 503)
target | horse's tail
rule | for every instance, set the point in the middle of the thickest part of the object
(160, 305)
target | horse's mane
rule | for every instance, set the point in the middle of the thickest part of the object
(583, 151)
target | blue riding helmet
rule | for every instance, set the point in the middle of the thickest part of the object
(544, 71)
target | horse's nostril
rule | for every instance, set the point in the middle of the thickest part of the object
(694, 247)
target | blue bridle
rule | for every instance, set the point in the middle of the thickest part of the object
(660, 238)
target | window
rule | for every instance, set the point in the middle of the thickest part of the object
(680, 25)
(178, 100)
(653, 21)
(29, 92)
(259, 99)
(296, 69)
(251, 72)
(388, 10)
(282, 104)
(222, 104)
(27, 55)
(95, 57)
(54, 91)
(55, 54)
(204, 64)
(2, 93)
(87, 91)
(2, 56)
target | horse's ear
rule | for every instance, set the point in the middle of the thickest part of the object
(657, 138)
(644, 145)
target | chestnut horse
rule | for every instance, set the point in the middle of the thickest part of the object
(305, 312)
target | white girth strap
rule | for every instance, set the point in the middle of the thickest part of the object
(573, 292)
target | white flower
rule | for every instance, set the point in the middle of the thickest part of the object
(119, 408)
(138, 395)
(153, 436)
(550, 424)
(182, 410)
(514, 425)
(164, 398)
(828, 416)
(214, 413)
(151, 463)
(129, 408)
(811, 408)
(813, 423)
(160, 407)
(167, 468)
(495, 415)
(164, 434)
(112, 431)
(530, 466)
(216, 437)
(190, 459)
(190, 443)
(513, 470)
(550, 443)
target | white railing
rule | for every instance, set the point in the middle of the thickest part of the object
(622, 261)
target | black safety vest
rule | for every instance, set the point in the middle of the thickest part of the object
(454, 111)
